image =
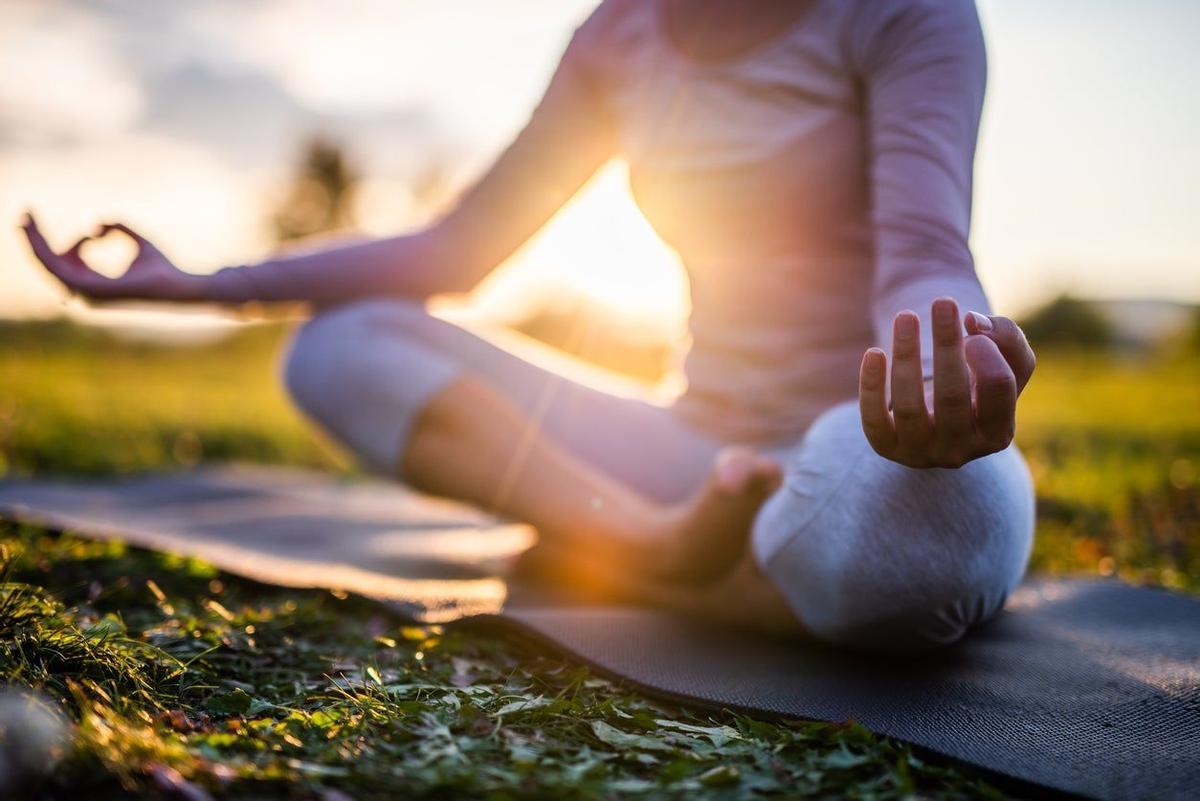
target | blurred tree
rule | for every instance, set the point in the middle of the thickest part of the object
(1068, 321)
(321, 197)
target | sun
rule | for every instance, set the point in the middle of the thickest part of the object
(600, 247)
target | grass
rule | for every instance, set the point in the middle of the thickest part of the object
(173, 680)
(176, 674)
(1114, 446)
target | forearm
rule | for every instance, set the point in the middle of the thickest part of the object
(415, 265)
(925, 70)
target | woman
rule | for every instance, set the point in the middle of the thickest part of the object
(812, 163)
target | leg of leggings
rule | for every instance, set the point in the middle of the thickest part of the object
(877, 556)
(365, 371)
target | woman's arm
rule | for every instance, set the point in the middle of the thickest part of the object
(923, 70)
(568, 136)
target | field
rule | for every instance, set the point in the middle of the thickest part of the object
(173, 680)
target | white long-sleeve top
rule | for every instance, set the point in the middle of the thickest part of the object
(813, 186)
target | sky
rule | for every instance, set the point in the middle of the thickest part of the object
(186, 120)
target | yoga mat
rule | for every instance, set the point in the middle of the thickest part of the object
(1088, 687)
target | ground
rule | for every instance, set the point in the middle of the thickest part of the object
(160, 677)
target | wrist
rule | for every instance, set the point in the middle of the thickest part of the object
(193, 288)
(227, 285)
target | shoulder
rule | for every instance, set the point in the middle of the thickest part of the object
(611, 22)
(873, 17)
(603, 45)
(880, 32)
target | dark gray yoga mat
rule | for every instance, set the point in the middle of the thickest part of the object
(1089, 687)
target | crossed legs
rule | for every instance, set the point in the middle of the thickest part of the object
(474, 444)
(854, 549)
(480, 424)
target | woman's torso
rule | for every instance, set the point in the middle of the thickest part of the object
(755, 170)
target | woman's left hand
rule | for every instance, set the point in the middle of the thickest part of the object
(976, 381)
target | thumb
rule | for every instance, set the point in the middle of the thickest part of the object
(1011, 340)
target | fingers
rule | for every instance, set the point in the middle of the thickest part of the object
(975, 386)
(872, 402)
(952, 413)
(105, 228)
(72, 254)
(68, 267)
(41, 248)
(37, 242)
(1011, 340)
(913, 429)
(995, 391)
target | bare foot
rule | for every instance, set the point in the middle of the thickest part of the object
(705, 536)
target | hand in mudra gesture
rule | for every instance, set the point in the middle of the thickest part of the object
(976, 381)
(149, 276)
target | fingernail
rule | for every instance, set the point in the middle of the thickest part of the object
(982, 322)
(872, 359)
(906, 325)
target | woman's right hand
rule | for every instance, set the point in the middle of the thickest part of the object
(149, 276)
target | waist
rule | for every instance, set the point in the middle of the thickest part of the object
(774, 343)
(768, 399)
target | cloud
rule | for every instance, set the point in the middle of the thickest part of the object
(59, 82)
(248, 118)
(73, 74)
(233, 111)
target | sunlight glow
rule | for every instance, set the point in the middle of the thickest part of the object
(601, 247)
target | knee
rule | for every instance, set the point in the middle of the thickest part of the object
(364, 372)
(939, 554)
(317, 352)
(876, 556)
(330, 356)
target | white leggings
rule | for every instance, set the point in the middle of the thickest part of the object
(868, 553)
